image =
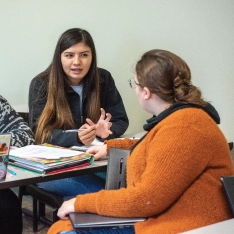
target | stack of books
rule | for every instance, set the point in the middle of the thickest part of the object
(49, 159)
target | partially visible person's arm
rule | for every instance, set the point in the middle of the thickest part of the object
(11, 121)
(100, 151)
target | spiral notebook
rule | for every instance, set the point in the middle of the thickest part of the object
(54, 159)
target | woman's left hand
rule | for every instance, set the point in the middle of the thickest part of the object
(98, 151)
(66, 208)
(103, 125)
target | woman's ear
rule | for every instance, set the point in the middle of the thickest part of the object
(147, 94)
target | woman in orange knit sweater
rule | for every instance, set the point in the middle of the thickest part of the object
(173, 172)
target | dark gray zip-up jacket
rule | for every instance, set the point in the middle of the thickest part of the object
(110, 100)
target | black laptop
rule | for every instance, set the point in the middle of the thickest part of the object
(89, 220)
(228, 184)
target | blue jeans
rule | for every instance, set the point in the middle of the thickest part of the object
(70, 187)
(126, 230)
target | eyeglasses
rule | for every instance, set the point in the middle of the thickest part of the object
(133, 83)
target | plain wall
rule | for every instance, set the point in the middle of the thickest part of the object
(199, 31)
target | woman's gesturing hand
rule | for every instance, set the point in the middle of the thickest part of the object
(103, 125)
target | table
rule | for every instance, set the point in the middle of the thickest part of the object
(224, 227)
(24, 177)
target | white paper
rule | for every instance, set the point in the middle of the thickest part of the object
(39, 151)
(86, 147)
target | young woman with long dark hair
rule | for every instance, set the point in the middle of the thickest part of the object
(72, 102)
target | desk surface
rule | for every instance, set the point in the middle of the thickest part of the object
(25, 177)
(225, 227)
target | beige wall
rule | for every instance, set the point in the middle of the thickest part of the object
(200, 31)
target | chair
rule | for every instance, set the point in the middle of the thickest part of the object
(24, 115)
(116, 168)
(43, 198)
(228, 185)
(37, 195)
(230, 144)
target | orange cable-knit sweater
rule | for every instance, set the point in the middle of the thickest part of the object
(173, 178)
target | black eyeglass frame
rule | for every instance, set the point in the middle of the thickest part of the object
(133, 83)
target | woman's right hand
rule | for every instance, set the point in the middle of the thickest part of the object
(98, 151)
(88, 134)
(66, 208)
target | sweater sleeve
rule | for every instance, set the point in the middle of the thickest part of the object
(118, 143)
(11, 121)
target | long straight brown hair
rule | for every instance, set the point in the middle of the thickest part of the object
(57, 114)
